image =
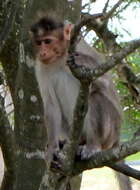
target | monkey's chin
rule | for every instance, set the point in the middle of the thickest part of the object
(48, 61)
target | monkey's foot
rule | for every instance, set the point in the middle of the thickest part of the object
(55, 165)
(56, 162)
(84, 152)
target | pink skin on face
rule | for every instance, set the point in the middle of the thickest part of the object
(45, 46)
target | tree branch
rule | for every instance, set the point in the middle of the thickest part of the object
(129, 48)
(123, 8)
(125, 169)
(84, 73)
(108, 157)
(77, 28)
(79, 114)
(110, 13)
(106, 6)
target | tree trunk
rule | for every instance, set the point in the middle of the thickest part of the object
(29, 129)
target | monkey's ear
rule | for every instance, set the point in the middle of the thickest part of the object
(67, 31)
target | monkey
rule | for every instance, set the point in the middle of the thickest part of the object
(59, 90)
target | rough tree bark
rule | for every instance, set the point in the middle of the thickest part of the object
(15, 57)
(30, 134)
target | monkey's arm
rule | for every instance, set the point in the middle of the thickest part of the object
(53, 122)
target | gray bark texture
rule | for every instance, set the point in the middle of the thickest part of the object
(30, 134)
(31, 137)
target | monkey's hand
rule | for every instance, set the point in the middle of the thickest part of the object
(71, 61)
(77, 64)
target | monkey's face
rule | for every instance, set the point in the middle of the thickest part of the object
(50, 40)
(49, 49)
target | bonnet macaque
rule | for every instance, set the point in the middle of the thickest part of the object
(59, 90)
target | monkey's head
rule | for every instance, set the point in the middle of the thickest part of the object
(50, 39)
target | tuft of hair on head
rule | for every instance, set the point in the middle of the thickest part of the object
(46, 23)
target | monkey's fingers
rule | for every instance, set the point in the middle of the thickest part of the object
(71, 60)
(56, 162)
(55, 165)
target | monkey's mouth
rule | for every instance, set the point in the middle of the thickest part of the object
(48, 60)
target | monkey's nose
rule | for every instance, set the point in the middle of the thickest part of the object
(43, 55)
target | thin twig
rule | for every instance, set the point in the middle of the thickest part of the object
(111, 12)
(123, 8)
(106, 6)
(77, 28)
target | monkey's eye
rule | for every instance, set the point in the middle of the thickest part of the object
(38, 42)
(47, 41)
